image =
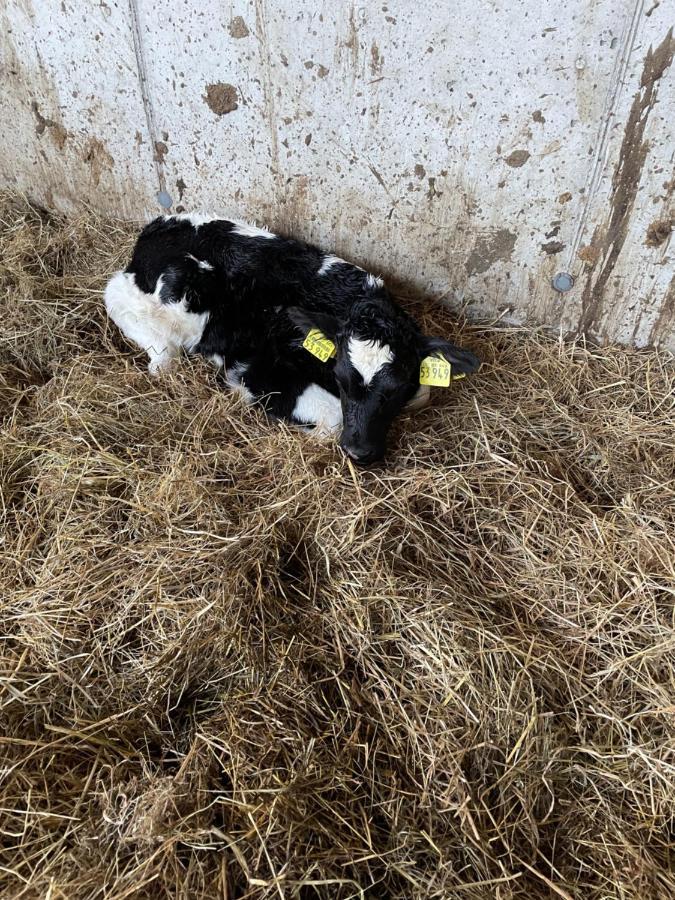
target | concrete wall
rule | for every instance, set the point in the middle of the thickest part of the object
(469, 149)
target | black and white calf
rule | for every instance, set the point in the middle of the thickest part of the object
(246, 298)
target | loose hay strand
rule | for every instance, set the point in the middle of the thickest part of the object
(234, 666)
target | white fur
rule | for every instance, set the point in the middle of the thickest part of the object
(217, 360)
(374, 281)
(368, 357)
(202, 263)
(233, 378)
(195, 219)
(421, 398)
(246, 230)
(242, 228)
(161, 329)
(316, 406)
(328, 262)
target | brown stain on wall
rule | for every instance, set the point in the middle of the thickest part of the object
(666, 314)
(658, 232)
(96, 155)
(376, 60)
(433, 192)
(490, 248)
(352, 42)
(221, 98)
(56, 131)
(238, 28)
(161, 149)
(590, 253)
(517, 159)
(608, 241)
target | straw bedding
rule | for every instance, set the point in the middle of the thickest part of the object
(232, 666)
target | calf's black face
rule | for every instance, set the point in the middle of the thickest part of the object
(379, 349)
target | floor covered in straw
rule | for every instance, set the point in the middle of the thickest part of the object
(232, 667)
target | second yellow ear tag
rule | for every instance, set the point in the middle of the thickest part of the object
(319, 345)
(435, 371)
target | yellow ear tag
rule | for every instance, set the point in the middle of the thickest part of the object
(319, 345)
(435, 371)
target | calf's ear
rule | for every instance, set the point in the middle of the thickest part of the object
(306, 319)
(460, 360)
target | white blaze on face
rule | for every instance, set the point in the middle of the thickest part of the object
(368, 357)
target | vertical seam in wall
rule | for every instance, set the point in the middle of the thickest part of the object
(268, 88)
(599, 159)
(145, 93)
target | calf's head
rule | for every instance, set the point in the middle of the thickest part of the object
(379, 349)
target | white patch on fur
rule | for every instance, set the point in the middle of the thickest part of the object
(374, 281)
(242, 228)
(202, 263)
(328, 262)
(368, 357)
(246, 230)
(161, 329)
(195, 219)
(316, 406)
(217, 360)
(421, 398)
(233, 378)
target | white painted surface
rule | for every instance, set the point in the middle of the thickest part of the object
(468, 150)
(73, 66)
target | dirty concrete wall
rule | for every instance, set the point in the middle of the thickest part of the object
(470, 150)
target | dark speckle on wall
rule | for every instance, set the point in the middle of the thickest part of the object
(238, 28)
(221, 98)
(659, 232)
(161, 149)
(517, 159)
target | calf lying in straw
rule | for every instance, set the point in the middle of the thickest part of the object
(255, 303)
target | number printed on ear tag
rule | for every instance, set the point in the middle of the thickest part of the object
(435, 372)
(319, 345)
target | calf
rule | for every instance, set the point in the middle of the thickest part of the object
(246, 298)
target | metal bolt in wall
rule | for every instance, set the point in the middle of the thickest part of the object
(562, 282)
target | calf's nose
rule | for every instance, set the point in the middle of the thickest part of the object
(361, 456)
